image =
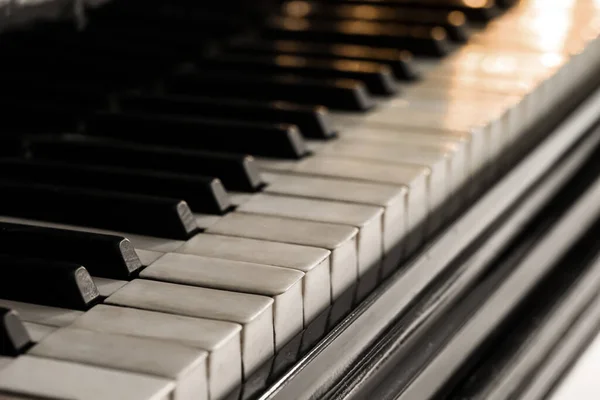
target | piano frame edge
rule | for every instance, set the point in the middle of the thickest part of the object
(349, 356)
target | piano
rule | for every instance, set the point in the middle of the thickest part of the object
(299, 199)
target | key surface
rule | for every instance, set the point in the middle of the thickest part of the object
(391, 198)
(103, 255)
(51, 283)
(155, 216)
(312, 121)
(38, 331)
(376, 77)
(420, 40)
(454, 22)
(220, 339)
(400, 61)
(107, 286)
(367, 219)
(482, 11)
(14, 338)
(186, 366)
(283, 285)
(35, 376)
(269, 140)
(253, 312)
(203, 194)
(313, 262)
(339, 239)
(237, 172)
(337, 94)
(413, 177)
(42, 315)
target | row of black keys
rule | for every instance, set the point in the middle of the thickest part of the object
(45, 266)
(121, 179)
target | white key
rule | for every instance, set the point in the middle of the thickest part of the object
(4, 361)
(185, 366)
(38, 332)
(454, 148)
(391, 198)
(339, 239)
(106, 286)
(253, 312)
(283, 285)
(65, 380)
(43, 315)
(416, 179)
(312, 261)
(441, 181)
(147, 257)
(221, 339)
(367, 219)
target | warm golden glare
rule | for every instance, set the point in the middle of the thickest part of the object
(298, 8)
(438, 33)
(294, 24)
(365, 12)
(290, 61)
(457, 18)
(475, 3)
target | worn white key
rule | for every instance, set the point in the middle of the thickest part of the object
(253, 312)
(43, 315)
(416, 179)
(367, 219)
(66, 380)
(221, 339)
(186, 366)
(441, 179)
(106, 286)
(391, 198)
(339, 239)
(38, 332)
(452, 148)
(283, 285)
(147, 257)
(4, 361)
(312, 261)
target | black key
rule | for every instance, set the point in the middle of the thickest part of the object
(11, 145)
(237, 172)
(282, 141)
(30, 117)
(203, 194)
(14, 338)
(105, 256)
(49, 283)
(421, 40)
(400, 61)
(480, 11)
(312, 121)
(336, 94)
(76, 95)
(377, 78)
(154, 216)
(455, 22)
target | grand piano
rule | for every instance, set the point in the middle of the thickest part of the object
(320, 199)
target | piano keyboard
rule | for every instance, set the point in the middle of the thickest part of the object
(174, 213)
